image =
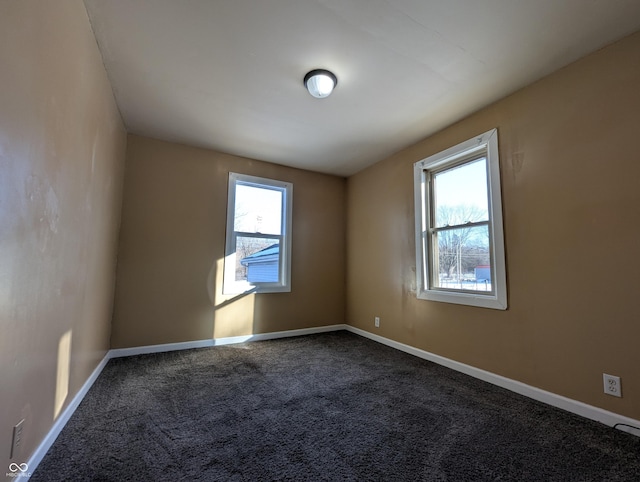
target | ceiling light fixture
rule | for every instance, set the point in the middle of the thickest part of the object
(320, 83)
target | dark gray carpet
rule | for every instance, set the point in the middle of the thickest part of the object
(334, 406)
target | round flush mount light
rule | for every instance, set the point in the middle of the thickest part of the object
(320, 83)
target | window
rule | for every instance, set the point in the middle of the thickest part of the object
(459, 239)
(258, 244)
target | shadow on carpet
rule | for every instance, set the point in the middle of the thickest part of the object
(333, 406)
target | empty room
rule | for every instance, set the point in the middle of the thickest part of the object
(319, 240)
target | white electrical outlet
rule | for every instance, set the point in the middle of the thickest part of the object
(376, 321)
(16, 441)
(612, 385)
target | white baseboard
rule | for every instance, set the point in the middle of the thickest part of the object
(620, 422)
(64, 417)
(141, 350)
(66, 414)
(579, 408)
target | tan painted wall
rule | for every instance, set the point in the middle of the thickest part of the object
(62, 149)
(570, 164)
(172, 245)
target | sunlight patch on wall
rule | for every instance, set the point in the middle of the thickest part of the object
(235, 317)
(62, 376)
(214, 282)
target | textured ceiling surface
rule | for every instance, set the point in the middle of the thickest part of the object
(227, 74)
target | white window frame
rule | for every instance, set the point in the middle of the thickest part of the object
(483, 145)
(230, 285)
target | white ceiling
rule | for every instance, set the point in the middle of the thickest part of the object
(227, 74)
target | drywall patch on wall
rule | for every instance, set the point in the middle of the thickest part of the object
(45, 206)
(517, 162)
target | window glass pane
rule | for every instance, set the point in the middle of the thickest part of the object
(258, 210)
(463, 259)
(257, 259)
(460, 194)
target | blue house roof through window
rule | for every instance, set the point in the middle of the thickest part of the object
(262, 266)
(273, 250)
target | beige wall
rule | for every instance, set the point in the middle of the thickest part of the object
(570, 177)
(62, 148)
(172, 245)
(571, 193)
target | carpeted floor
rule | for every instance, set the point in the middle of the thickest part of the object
(335, 407)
